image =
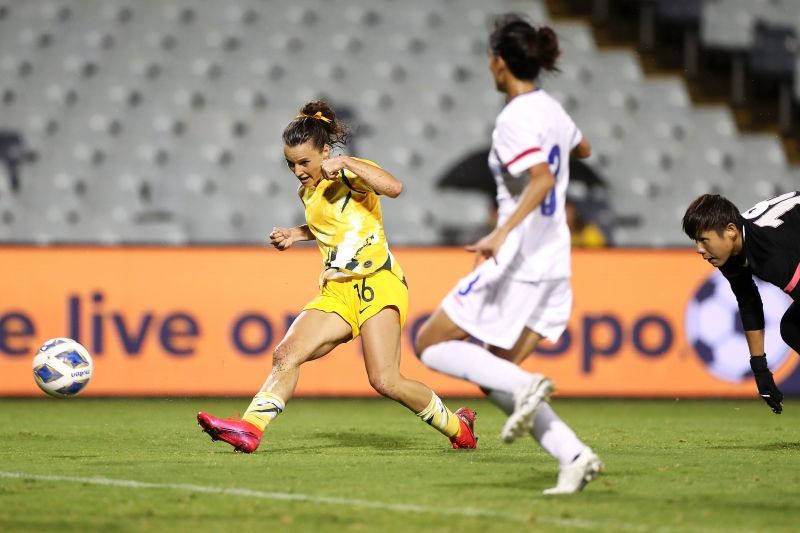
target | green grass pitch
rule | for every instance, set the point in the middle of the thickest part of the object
(369, 465)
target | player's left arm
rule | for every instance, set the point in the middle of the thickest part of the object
(376, 178)
(582, 150)
(540, 183)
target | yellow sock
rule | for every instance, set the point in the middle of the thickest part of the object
(440, 417)
(264, 407)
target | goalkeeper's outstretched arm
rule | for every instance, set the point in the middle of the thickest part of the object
(751, 312)
(765, 383)
(755, 341)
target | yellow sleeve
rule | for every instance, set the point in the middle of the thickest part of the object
(354, 181)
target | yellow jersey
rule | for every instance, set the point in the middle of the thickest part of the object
(345, 217)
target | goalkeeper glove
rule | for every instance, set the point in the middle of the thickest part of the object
(766, 385)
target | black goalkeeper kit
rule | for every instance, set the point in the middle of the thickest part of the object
(771, 251)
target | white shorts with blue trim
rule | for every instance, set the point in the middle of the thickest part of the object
(496, 309)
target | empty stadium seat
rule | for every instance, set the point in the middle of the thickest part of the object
(161, 121)
(729, 23)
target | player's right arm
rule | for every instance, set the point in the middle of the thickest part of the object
(751, 311)
(755, 341)
(284, 238)
(540, 182)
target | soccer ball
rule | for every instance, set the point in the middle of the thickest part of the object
(714, 329)
(62, 367)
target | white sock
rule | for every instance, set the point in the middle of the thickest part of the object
(503, 400)
(552, 433)
(468, 361)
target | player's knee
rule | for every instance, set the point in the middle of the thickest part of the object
(790, 328)
(421, 342)
(385, 383)
(418, 349)
(384, 389)
(283, 356)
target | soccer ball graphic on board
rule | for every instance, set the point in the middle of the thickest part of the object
(714, 329)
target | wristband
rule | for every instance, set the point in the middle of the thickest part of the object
(758, 364)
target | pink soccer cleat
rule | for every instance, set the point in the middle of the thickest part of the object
(466, 438)
(243, 436)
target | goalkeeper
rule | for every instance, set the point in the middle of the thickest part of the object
(763, 241)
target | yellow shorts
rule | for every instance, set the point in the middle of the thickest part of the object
(358, 299)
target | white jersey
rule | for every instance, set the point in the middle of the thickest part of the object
(533, 128)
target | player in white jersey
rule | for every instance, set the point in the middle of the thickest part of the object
(521, 293)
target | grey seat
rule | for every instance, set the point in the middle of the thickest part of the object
(729, 23)
(162, 121)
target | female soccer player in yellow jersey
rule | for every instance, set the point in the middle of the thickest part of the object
(362, 287)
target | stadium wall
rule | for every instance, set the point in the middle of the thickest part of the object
(203, 321)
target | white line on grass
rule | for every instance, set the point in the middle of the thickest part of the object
(330, 500)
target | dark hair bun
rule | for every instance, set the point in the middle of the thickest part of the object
(546, 48)
(525, 49)
(322, 107)
(317, 123)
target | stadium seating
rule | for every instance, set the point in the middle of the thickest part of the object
(160, 121)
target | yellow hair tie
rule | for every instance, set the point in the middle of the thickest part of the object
(317, 115)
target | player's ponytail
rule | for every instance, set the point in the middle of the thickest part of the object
(525, 49)
(545, 48)
(316, 122)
